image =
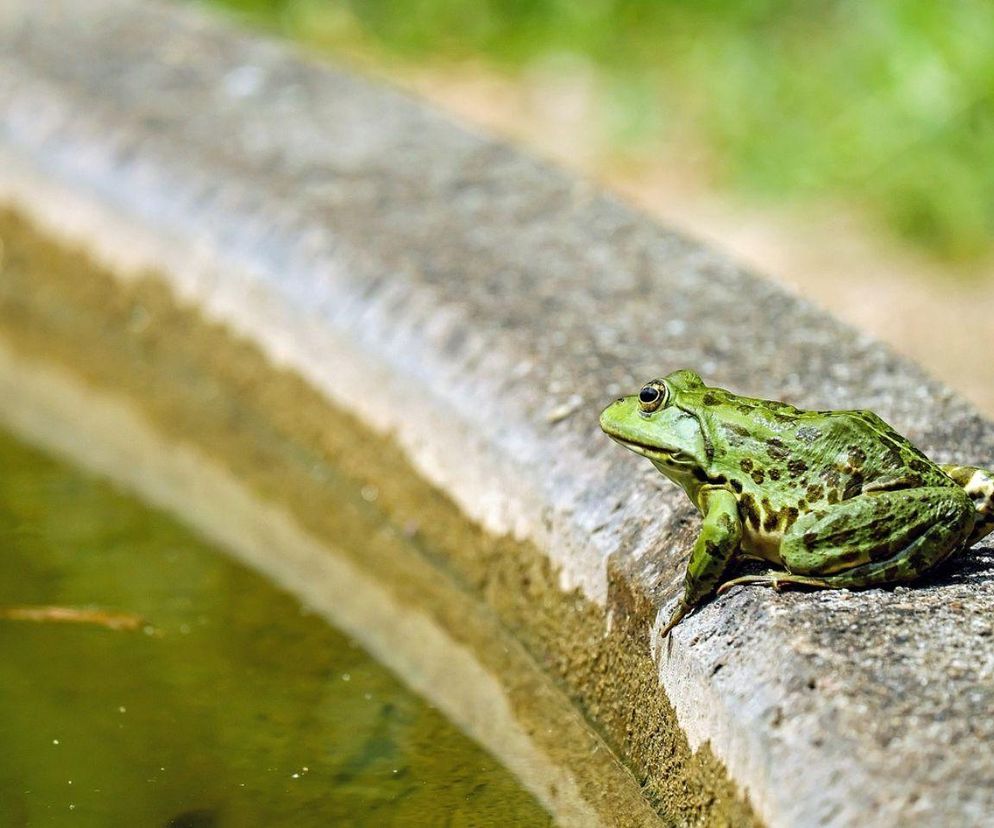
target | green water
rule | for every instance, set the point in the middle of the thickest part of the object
(235, 708)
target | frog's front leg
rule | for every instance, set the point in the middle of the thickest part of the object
(979, 485)
(715, 546)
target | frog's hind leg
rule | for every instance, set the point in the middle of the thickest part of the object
(872, 540)
(894, 571)
(897, 570)
(979, 485)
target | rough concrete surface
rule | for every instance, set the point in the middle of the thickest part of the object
(483, 307)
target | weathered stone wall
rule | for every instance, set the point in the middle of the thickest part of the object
(482, 307)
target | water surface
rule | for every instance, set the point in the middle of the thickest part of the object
(232, 707)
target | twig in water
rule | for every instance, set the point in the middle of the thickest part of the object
(73, 615)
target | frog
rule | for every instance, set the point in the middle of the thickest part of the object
(833, 499)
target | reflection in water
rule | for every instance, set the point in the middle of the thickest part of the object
(193, 819)
(234, 708)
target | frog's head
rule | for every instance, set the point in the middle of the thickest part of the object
(658, 423)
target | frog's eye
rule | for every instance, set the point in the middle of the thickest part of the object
(651, 397)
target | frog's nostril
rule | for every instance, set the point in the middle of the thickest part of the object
(620, 399)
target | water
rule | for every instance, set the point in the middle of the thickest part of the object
(232, 707)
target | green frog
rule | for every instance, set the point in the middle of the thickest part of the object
(833, 499)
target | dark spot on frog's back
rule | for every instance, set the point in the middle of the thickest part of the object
(776, 449)
(854, 485)
(880, 529)
(710, 398)
(758, 476)
(857, 457)
(773, 473)
(772, 516)
(796, 467)
(808, 434)
(745, 464)
(736, 484)
(815, 492)
(919, 466)
(747, 507)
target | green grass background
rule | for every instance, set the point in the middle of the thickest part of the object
(884, 104)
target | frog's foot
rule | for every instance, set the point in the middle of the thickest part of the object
(681, 611)
(777, 580)
(979, 485)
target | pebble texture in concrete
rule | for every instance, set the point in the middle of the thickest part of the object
(484, 307)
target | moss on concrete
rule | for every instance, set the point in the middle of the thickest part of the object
(200, 384)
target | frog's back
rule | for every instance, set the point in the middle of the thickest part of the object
(850, 441)
(784, 462)
(868, 454)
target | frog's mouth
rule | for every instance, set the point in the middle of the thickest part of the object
(671, 457)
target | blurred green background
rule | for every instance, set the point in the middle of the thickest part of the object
(885, 105)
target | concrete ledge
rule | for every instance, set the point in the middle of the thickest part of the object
(481, 308)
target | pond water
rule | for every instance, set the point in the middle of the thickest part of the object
(230, 705)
